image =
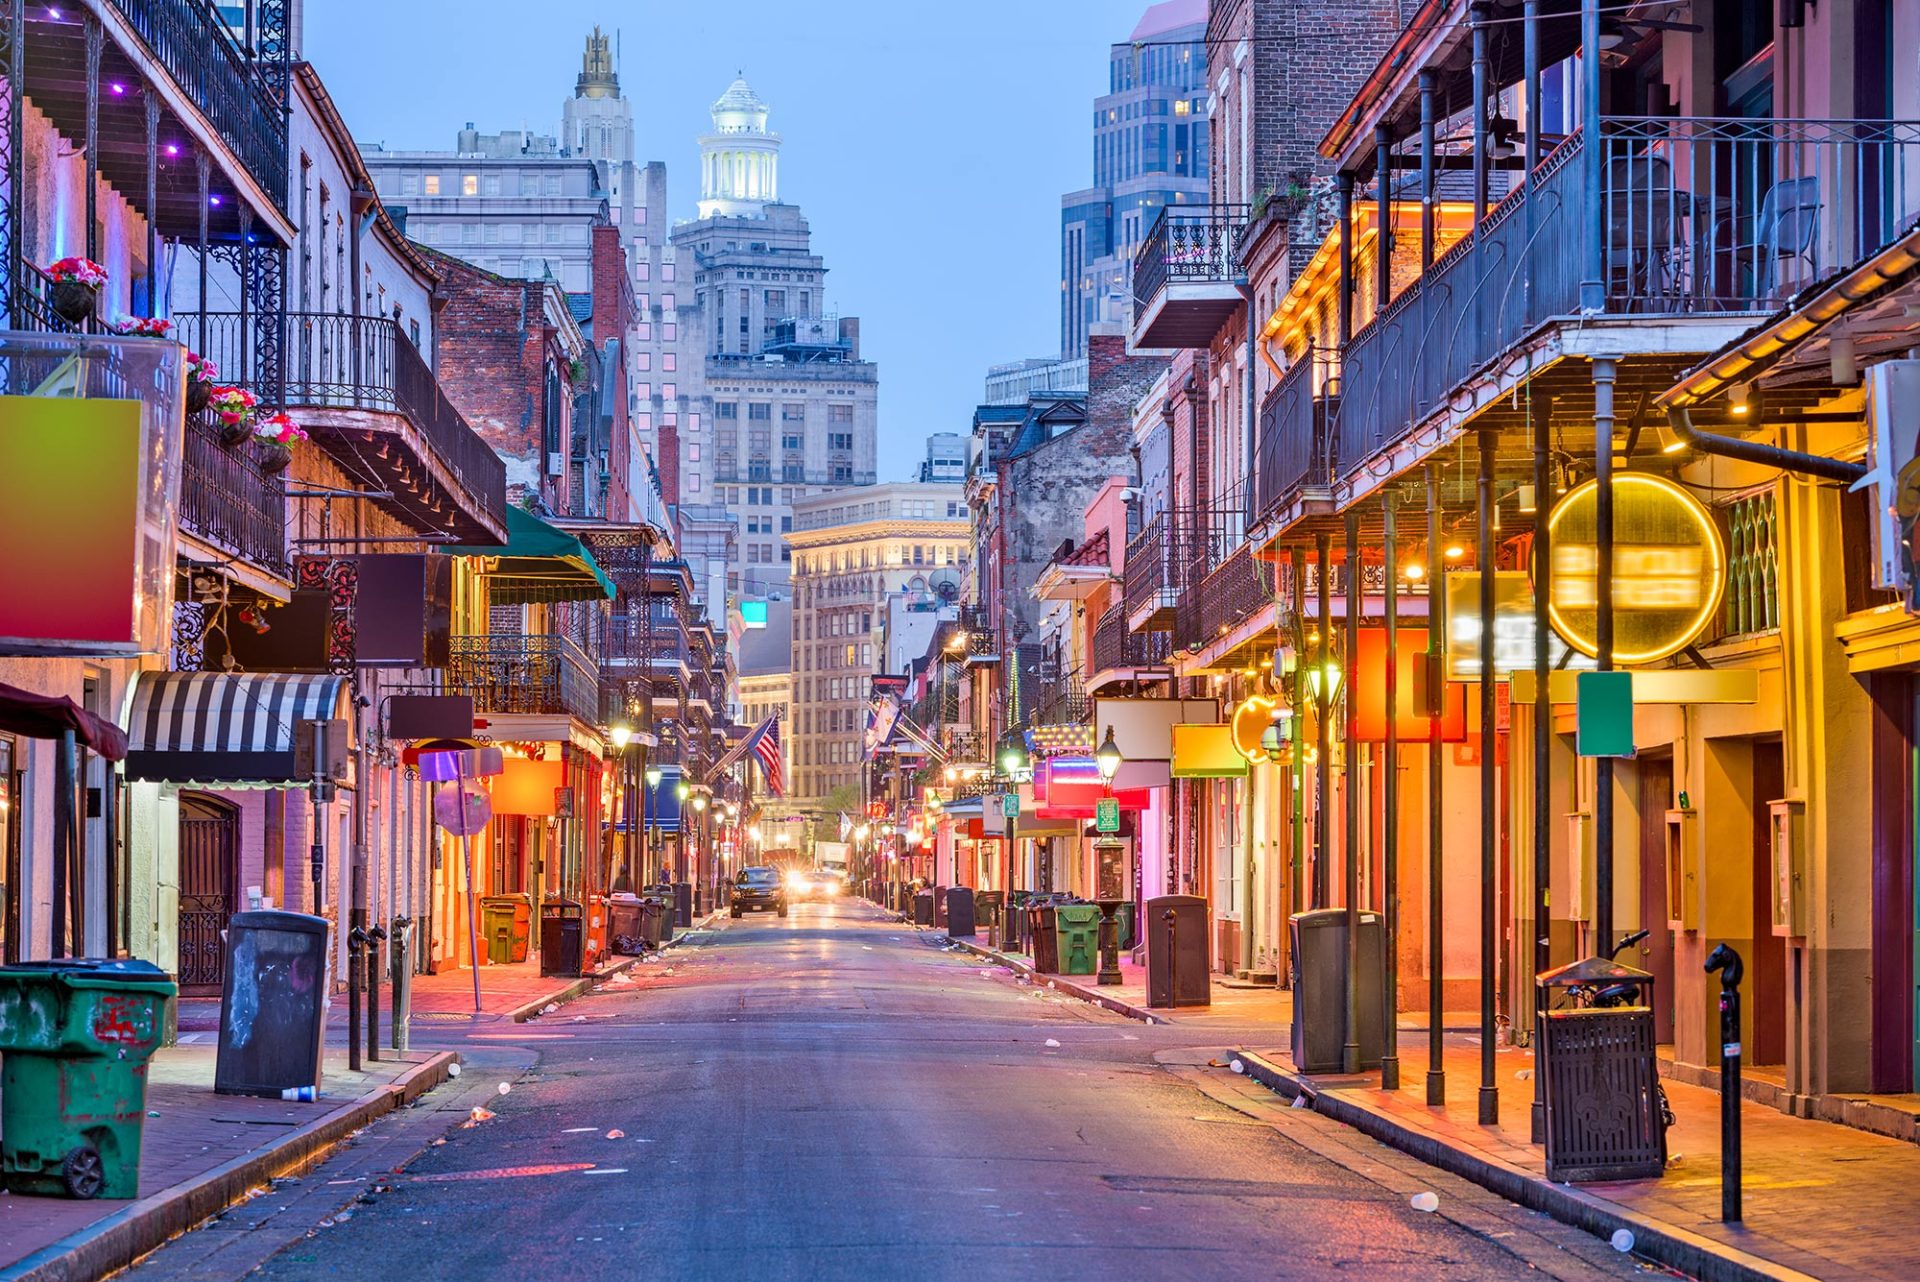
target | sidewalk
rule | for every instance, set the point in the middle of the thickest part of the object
(1822, 1200)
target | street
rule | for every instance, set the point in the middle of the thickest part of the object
(836, 1096)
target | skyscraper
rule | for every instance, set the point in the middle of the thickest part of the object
(1149, 151)
(776, 402)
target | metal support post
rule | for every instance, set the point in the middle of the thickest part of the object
(401, 955)
(376, 941)
(1323, 746)
(1350, 778)
(1728, 963)
(1390, 803)
(1603, 382)
(1489, 811)
(1436, 822)
(1542, 414)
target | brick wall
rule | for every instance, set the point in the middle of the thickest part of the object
(612, 319)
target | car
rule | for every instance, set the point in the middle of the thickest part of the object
(757, 890)
(815, 883)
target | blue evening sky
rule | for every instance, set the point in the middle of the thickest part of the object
(927, 143)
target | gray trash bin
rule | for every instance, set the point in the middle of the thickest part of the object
(669, 899)
(272, 1004)
(1601, 1080)
(1179, 961)
(923, 908)
(959, 912)
(623, 924)
(683, 903)
(1319, 941)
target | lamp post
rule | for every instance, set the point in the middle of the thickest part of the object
(1107, 757)
(683, 791)
(622, 734)
(652, 775)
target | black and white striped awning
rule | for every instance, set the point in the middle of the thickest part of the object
(214, 727)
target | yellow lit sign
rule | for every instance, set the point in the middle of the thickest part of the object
(1669, 568)
(1250, 722)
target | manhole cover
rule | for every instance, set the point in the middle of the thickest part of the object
(443, 1016)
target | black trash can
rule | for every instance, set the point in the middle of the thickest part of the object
(272, 1004)
(1043, 933)
(669, 897)
(923, 908)
(653, 920)
(940, 906)
(1602, 1083)
(1319, 978)
(560, 937)
(623, 924)
(1179, 962)
(683, 903)
(987, 905)
(959, 913)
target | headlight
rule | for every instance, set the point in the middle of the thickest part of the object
(796, 881)
(829, 886)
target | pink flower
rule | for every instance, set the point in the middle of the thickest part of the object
(200, 368)
(84, 270)
(142, 326)
(280, 429)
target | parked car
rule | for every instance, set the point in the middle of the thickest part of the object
(757, 890)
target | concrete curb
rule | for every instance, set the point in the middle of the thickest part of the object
(1062, 984)
(1691, 1253)
(118, 1240)
(576, 988)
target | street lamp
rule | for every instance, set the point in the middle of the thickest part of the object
(684, 791)
(1324, 681)
(653, 776)
(1013, 757)
(700, 801)
(621, 734)
(1107, 757)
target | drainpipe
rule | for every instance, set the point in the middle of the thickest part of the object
(1593, 291)
(1429, 174)
(1734, 447)
(1251, 472)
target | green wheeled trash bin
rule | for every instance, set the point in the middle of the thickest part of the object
(505, 924)
(1079, 926)
(76, 1038)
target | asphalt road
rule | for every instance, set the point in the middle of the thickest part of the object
(834, 1096)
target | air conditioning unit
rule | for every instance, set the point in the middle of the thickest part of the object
(556, 463)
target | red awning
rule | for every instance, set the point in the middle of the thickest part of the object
(46, 716)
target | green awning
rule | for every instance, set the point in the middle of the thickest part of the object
(541, 563)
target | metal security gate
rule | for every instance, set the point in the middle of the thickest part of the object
(209, 869)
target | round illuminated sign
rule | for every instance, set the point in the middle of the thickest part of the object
(1669, 568)
(1250, 722)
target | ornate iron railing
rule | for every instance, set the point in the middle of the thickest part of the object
(1170, 554)
(227, 500)
(1116, 645)
(1293, 449)
(533, 674)
(358, 362)
(1230, 593)
(1189, 243)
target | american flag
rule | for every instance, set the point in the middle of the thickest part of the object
(773, 765)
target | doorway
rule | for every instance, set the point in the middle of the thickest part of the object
(1656, 951)
(1767, 970)
(209, 876)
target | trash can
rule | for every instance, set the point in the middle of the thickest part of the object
(560, 937)
(1124, 916)
(683, 903)
(506, 923)
(624, 925)
(1014, 937)
(1602, 1084)
(940, 906)
(987, 906)
(272, 1004)
(668, 897)
(76, 1037)
(1319, 978)
(1079, 938)
(923, 908)
(1043, 934)
(959, 913)
(1179, 962)
(653, 920)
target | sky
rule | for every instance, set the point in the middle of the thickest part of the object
(928, 144)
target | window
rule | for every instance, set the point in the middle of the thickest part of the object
(760, 412)
(790, 441)
(553, 184)
(490, 185)
(726, 409)
(839, 413)
(669, 392)
(432, 184)
(793, 412)
(470, 184)
(693, 453)
(840, 440)
(666, 271)
(529, 184)
(668, 362)
(643, 360)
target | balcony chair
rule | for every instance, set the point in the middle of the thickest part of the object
(1647, 263)
(1787, 227)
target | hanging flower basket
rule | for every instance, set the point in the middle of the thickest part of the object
(275, 436)
(200, 375)
(233, 409)
(141, 326)
(76, 288)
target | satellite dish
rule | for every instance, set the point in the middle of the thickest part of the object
(462, 811)
(946, 584)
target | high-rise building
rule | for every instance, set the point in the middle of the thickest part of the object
(1017, 382)
(1149, 151)
(774, 402)
(854, 551)
(946, 458)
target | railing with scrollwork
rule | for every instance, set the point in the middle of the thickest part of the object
(1293, 451)
(1117, 646)
(1228, 595)
(230, 88)
(525, 674)
(1187, 243)
(228, 501)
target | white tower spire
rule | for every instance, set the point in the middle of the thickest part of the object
(739, 160)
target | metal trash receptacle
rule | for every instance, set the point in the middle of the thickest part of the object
(1600, 1078)
(987, 908)
(624, 926)
(668, 897)
(940, 906)
(923, 908)
(273, 1009)
(683, 903)
(1043, 933)
(653, 921)
(960, 912)
(1077, 945)
(560, 937)
(76, 1037)
(1319, 978)
(1179, 960)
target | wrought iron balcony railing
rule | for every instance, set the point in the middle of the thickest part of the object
(544, 674)
(1187, 243)
(1117, 646)
(1294, 451)
(1229, 594)
(358, 362)
(1168, 557)
(228, 501)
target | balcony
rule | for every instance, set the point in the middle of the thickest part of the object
(1061, 700)
(1166, 559)
(375, 406)
(536, 675)
(965, 746)
(1186, 274)
(1693, 220)
(227, 502)
(210, 91)
(1231, 592)
(1119, 650)
(1293, 453)
(983, 640)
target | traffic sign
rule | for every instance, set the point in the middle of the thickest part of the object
(1010, 805)
(1106, 815)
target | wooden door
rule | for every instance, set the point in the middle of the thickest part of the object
(1656, 953)
(209, 873)
(1766, 993)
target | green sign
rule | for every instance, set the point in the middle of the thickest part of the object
(1106, 815)
(1603, 706)
(1010, 804)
